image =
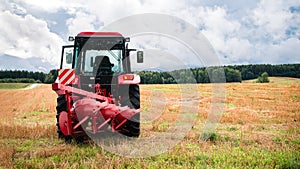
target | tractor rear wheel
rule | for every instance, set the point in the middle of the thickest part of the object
(61, 106)
(131, 98)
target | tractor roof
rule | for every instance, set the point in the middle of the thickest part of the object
(99, 34)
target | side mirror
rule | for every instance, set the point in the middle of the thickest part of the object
(69, 57)
(140, 57)
(127, 39)
(71, 38)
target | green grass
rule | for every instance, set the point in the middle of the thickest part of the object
(279, 81)
(53, 153)
(284, 81)
(295, 98)
(230, 105)
(13, 85)
(33, 117)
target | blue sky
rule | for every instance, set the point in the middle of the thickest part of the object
(241, 32)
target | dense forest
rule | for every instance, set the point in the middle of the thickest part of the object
(235, 73)
(22, 76)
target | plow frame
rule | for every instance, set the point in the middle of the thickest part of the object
(103, 103)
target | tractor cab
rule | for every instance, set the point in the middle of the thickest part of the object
(99, 58)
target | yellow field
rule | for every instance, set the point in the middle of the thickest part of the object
(259, 127)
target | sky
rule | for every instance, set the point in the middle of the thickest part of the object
(241, 32)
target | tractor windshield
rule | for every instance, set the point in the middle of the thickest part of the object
(99, 55)
(96, 60)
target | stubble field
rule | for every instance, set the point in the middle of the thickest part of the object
(259, 128)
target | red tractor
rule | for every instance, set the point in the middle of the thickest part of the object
(97, 93)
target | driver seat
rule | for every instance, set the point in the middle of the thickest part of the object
(102, 66)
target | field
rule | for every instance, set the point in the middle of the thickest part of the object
(259, 128)
(13, 85)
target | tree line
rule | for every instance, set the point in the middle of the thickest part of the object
(196, 75)
(233, 73)
(23, 76)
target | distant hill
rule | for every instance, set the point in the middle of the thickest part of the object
(8, 62)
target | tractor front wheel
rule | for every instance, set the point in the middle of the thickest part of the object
(61, 106)
(131, 98)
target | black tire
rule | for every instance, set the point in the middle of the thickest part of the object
(61, 106)
(79, 139)
(131, 98)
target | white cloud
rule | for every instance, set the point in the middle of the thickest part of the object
(27, 37)
(285, 51)
(82, 22)
(46, 6)
(217, 27)
(258, 35)
(255, 38)
(110, 11)
(18, 9)
(271, 19)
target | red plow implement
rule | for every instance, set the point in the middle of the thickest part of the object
(93, 113)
